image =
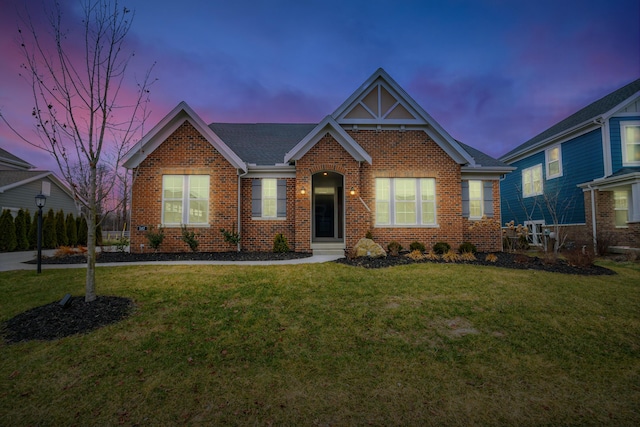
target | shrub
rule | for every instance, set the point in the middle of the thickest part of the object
(415, 255)
(81, 223)
(491, 258)
(49, 236)
(8, 241)
(155, 239)
(467, 256)
(231, 237)
(33, 232)
(451, 256)
(189, 237)
(604, 239)
(64, 251)
(441, 248)
(280, 244)
(22, 227)
(72, 230)
(417, 246)
(467, 247)
(369, 235)
(394, 248)
(121, 243)
(432, 256)
(580, 258)
(61, 229)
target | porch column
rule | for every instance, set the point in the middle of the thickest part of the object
(634, 214)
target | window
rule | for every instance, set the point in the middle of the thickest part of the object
(532, 181)
(630, 134)
(475, 199)
(405, 201)
(268, 198)
(185, 199)
(553, 157)
(621, 207)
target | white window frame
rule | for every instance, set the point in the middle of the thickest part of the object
(548, 161)
(530, 172)
(186, 201)
(386, 201)
(479, 199)
(616, 209)
(623, 138)
(266, 182)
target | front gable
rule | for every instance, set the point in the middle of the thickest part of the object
(167, 126)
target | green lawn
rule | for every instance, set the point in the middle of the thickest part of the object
(427, 344)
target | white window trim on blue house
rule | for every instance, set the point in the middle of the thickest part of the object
(529, 174)
(548, 153)
(626, 161)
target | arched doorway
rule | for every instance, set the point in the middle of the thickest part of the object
(327, 207)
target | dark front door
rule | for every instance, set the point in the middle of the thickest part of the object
(327, 221)
(325, 215)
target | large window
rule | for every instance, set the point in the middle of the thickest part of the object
(476, 201)
(553, 157)
(532, 181)
(630, 134)
(405, 201)
(269, 198)
(621, 207)
(185, 199)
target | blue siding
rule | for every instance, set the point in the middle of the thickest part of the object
(582, 161)
(616, 140)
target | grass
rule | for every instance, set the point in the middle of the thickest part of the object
(428, 344)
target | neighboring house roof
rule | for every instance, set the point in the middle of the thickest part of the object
(274, 139)
(10, 159)
(14, 178)
(600, 109)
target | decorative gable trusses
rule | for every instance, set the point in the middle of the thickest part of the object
(381, 102)
(328, 125)
(172, 121)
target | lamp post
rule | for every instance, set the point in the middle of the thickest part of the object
(41, 200)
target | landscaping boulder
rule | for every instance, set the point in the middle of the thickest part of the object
(368, 248)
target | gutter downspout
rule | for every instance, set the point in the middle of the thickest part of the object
(593, 219)
(240, 175)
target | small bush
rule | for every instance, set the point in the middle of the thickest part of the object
(64, 251)
(280, 244)
(8, 240)
(467, 247)
(369, 235)
(121, 243)
(491, 258)
(415, 255)
(451, 256)
(394, 248)
(467, 256)
(155, 239)
(432, 256)
(232, 237)
(417, 246)
(441, 248)
(580, 258)
(189, 237)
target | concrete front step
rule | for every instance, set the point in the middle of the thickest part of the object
(328, 249)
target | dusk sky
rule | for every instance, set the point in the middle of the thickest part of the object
(493, 73)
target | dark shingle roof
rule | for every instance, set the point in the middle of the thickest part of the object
(481, 158)
(588, 113)
(8, 177)
(261, 143)
(10, 158)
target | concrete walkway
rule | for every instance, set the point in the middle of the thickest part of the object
(16, 261)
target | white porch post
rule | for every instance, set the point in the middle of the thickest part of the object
(634, 214)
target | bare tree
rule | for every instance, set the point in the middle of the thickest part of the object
(84, 116)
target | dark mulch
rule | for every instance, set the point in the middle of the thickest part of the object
(105, 257)
(505, 260)
(53, 321)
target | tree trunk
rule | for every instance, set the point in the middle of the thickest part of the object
(90, 285)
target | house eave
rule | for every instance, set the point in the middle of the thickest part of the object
(270, 171)
(610, 182)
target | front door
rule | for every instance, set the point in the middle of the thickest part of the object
(327, 207)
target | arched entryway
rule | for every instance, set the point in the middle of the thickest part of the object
(327, 208)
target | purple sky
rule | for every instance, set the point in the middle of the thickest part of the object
(493, 73)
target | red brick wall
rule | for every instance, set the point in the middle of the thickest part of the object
(486, 234)
(605, 221)
(184, 152)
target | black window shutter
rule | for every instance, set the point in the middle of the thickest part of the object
(465, 199)
(282, 198)
(256, 198)
(488, 198)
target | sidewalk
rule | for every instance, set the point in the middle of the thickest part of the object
(16, 261)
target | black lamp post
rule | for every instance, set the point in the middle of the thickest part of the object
(41, 200)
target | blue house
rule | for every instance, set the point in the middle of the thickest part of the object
(579, 180)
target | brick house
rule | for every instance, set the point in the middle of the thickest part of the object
(379, 163)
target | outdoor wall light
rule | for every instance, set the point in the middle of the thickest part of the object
(352, 191)
(303, 191)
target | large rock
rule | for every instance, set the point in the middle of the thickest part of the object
(369, 248)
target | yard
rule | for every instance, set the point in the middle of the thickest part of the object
(330, 344)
